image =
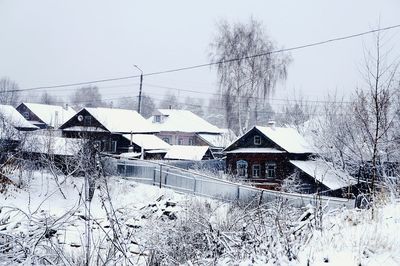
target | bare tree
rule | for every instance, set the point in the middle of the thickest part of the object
(148, 105)
(170, 101)
(247, 70)
(9, 92)
(373, 107)
(88, 96)
(194, 105)
(47, 98)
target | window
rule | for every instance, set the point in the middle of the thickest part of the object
(180, 141)
(166, 139)
(114, 146)
(256, 170)
(191, 141)
(270, 169)
(87, 120)
(257, 140)
(157, 118)
(241, 168)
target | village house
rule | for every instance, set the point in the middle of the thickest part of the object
(115, 130)
(266, 156)
(182, 127)
(44, 115)
(13, 127)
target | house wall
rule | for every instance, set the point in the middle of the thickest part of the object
(283, 167)
(174, 137)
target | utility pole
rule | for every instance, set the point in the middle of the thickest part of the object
(140, 90)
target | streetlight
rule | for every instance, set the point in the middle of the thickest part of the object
(140, 90)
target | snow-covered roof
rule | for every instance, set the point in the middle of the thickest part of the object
(255, 150)
(325, 173)
(287, 138)
(183, 152)
(51, 145)
(14, 118)
(130, 155)
(121, 120)
(148, 142)
(218, 140)
(52, 115)
(182, 121)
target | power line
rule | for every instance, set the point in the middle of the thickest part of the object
(211, 63)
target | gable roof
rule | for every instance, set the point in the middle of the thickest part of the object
(183, 152)
(287, 138)
(183, 121)
(325, 173)
(121, 120)
(148, 142)
(52, 115)
(14, 118)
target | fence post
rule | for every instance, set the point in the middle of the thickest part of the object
(166, 175)
(125, 169)
(160, 174)
(194, 186)
(154, 176)
(238, 192)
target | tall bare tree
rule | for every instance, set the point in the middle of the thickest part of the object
(9, 93)
(374, 109)
(148, 105)
(88, 96)
(247, 70)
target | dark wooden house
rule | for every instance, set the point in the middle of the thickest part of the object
(45, 115)
(109, 127)
(265, 156)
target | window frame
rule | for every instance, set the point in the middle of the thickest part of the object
(87, 120)
(258, 170)
(240, 170)
(268, 169)
(257, 140)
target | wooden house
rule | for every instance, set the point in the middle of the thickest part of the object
(110, 127)
(45, 115)
(265, 156)
(182, 127)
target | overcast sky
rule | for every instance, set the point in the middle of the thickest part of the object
(52, 42)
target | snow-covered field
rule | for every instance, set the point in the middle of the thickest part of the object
(146, 225)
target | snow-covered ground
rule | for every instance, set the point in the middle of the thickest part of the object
(185, 229)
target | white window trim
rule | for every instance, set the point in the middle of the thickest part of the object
(258, 138)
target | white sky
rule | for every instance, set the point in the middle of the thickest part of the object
(48, 42)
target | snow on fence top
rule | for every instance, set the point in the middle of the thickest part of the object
(121, 120)
(148, 142)
(287, 138)
(52, 115)
(182, 121)
(14, 118)
(325, 173)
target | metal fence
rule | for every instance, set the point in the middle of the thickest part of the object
(162, 175)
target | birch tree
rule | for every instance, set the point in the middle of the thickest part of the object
(247, 70)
